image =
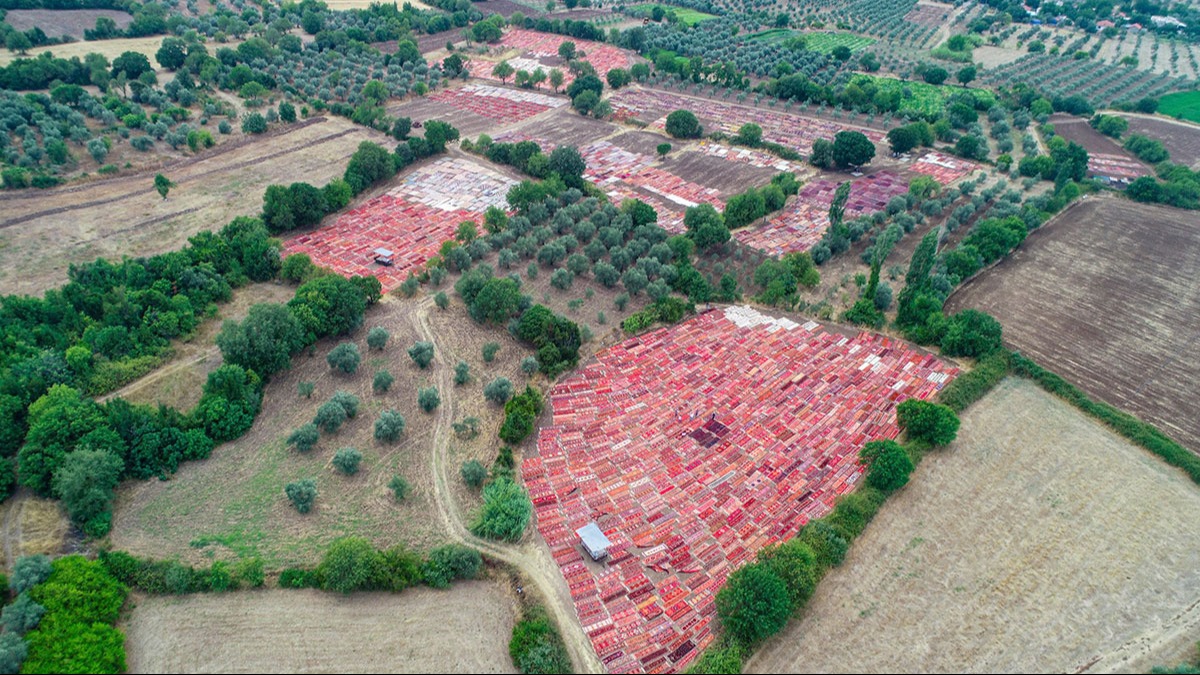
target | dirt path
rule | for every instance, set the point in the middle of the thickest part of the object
(528, 557)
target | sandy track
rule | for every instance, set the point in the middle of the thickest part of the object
(1039, 542)
(461, 630)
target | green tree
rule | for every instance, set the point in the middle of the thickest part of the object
(382, 382)
(754, 604)
(822, 154)
(254, 123)
(305, 438)
(489, 351)
(330, 417)
(888, 465)
(750, 134)
(389, 426)
(57, 422)
(795, 563)
(705, 225)
(302, 494)
(497, 301)
(473, 473)
(503, 71)
(683, 124)
(966, 75)
(935, 75)
(462, 373)
(931, 422)
(971, 333)
(449, 563)
(421, 353)
(852, 148)
(344, 357)
(556, 79)
(369, 164)
(264, 341)
(22, 615)
(505, 513)
(429, 399)
(499, 390)
(902, 139)
(399, 487)
(18, 42)
(29, 571)
(663, 149)
(377, 338)
(347, 460)
(349, 565)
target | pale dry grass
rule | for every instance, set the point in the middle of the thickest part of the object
(31, 525)
(464, 629)
(1038, 542)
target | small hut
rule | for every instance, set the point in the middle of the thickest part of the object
(594, 541)
(384, 257)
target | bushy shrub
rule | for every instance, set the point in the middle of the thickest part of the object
(382, 382)
(429, 399)
(305, 438)
(389, 426)
(302, 494)
(399, 487)
(377, 338)
(451, 563)
(347, 460)
(473, 473)
(505, 513)
(421, 353)
(536, 646)
(499, 390)
(489, 351)
(888, 465)
(344, 357)
(462, 373)
(925, 421)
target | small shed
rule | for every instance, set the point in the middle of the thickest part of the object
(384, 256)
(594, 541)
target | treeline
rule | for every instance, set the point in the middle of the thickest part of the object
(1174, 184)
(760, 597)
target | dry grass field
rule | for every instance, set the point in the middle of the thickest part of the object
(31, 525)
(109, 48)
(1038, 542)
(124, 216)
(464, 629)
(1106, 296)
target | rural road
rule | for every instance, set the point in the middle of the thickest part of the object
(528, 557)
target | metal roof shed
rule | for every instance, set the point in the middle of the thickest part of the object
(594, 541)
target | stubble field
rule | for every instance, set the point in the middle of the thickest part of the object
(1038, 542)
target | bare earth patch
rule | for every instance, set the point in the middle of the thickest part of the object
(59, 22)
(461, 630)
(1103, 296)
(1181, 139)
(1038, 542)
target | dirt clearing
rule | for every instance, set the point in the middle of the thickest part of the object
(1039, 542)
(1104, 296)
(124, 216)
(464, 629)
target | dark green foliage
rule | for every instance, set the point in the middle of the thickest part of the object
(451, 563)
(369, 164)
(1147, 149)
(462, 373)
(429, 399)
(827, 544)
(520, 414)
(852, 148)
(330, 417)
(1141, 433)
(473, 473)
(13, 651)
(556, 338)
(854, 511)
(399, 487)
(57, 421)
(232, 396)
(382, 382)
(745, 208)
(971, 333)
(971, 386)
(377, 338)
(499, 390)
(389, 426)
(421, 353)
(864, 313)
(302, 494)
(888, 465)
(349, 565)
(505, 513)
(667, 310)
(264, 341)
(344, 357)
(328, 305)
(86, 484)
(683, 124)
(529, 364)
(754, 604)
(497, 301)
(536, 646)
(706, 226)
(719, 660)
(347, 460)
(925, 421)
(797, 566)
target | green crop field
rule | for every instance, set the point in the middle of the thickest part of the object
(826, 42)
(1184, 105)
(921, 97)
(687, 17)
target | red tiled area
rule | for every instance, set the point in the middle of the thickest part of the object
(535, 47)
(412, 220)
(945, 169)
(1115, 166)
(791, 130)
(694, 446)
(497, 103)
(803, 220)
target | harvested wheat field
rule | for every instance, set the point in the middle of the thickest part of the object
(109, 48)
(124, 216)
(233, 505)
(31, 525)
(1038, 542)
(1106, 296)
(463, 629)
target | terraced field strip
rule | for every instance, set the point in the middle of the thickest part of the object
(694, 446)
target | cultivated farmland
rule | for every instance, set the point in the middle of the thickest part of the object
(44, 231)
(461, 630)
(693, 447)
(1038, 542)
(1181, 139)
(1104, 295)
(58, 22)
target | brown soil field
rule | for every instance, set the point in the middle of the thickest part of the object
(464, 629)
(1104, 296)
(125, 216)
(1181, 139)
(727, 176)
(469, 124)
(1078, 130)
(59, 22)
(1038, 542)
(506, 8)
(564, 126)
